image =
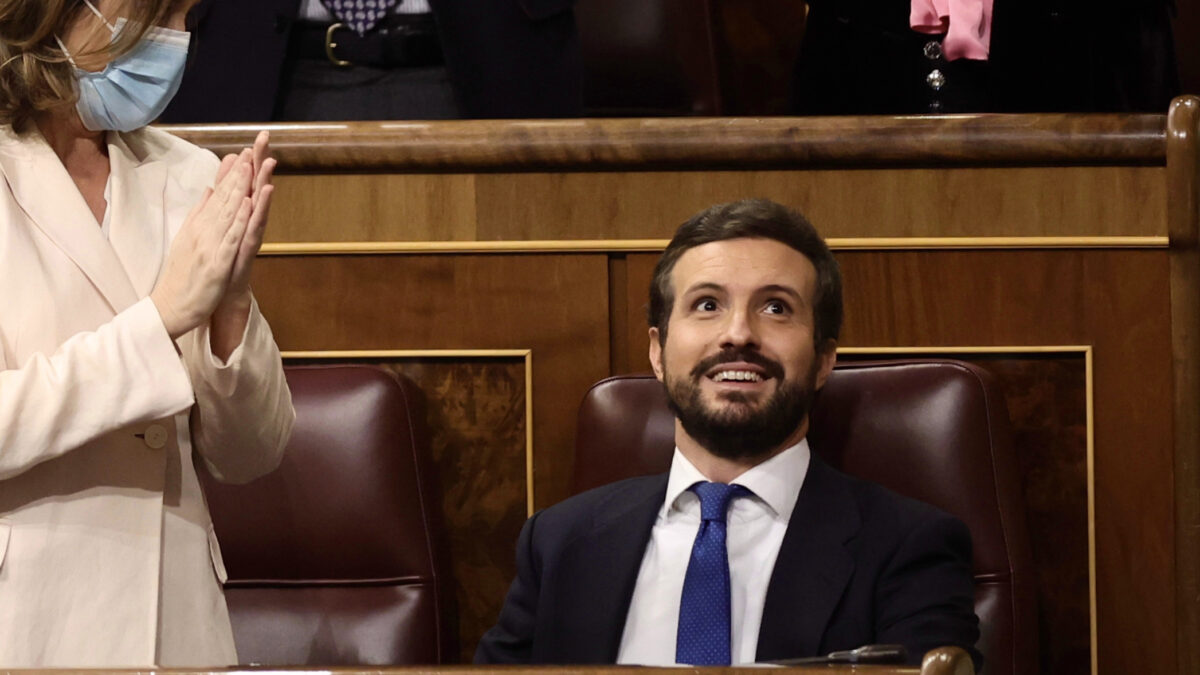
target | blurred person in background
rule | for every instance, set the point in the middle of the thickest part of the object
(128, 339)
(306, 60)
(937, 56)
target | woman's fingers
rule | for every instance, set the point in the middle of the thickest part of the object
(253, 238)
(225, 187)
(262, 209)
(227, 163)
(262, 150)
(263, 176)
(233, 192)
(231, 243)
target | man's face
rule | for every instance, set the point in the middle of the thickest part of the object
(739, 363)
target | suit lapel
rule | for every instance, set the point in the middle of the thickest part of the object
(137, 229)
(812, 569)
(51, 200)
(606, 564)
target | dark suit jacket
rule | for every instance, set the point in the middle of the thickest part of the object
(858, 565)
(506, 58)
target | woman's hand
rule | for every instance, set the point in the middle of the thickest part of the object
(229, 318)
(199, 266)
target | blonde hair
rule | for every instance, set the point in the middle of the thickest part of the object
(35, 74)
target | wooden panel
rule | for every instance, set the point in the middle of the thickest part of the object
(1080, 201)
(375, 207)
(1070, 201)
(477, 419)
(1183, 168)
(1047, 402)
(1115, 301)
(557, 306)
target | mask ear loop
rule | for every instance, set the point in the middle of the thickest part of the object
(99, 15)
(65, 52)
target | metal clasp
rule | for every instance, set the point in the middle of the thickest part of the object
(330, 45)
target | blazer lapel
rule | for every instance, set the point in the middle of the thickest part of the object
(606, 563)
(812, 569)
(137, 227)
(44, 190)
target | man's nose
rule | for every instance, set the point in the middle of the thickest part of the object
(740, 330)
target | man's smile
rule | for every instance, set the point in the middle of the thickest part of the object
(738, 376)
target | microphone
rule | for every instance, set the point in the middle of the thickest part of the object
(875, 654)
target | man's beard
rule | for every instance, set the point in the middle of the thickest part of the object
(741, 431)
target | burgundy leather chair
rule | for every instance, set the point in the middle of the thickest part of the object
(933, 430)
(337, 557)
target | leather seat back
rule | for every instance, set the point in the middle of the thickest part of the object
(337, 557)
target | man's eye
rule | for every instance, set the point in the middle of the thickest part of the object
(705, 305)
(776, 307)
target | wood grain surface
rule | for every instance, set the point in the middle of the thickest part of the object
(1183, 176)
(477, 424)
(695, 143)
(864, 203)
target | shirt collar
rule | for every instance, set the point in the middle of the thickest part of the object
(776, 482)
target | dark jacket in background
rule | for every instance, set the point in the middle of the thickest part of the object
(506, 58)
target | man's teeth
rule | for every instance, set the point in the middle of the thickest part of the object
(737, 375)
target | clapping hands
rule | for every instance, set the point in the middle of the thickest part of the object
(206, 275)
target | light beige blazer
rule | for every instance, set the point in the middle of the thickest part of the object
(106, 553)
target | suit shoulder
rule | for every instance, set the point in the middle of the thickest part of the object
(584, 507)
(882, 507)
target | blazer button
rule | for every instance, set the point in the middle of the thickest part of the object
(155, 437)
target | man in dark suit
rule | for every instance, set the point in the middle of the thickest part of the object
(751, 548)
(491, 59)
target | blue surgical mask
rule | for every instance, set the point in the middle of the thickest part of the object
(135, 88)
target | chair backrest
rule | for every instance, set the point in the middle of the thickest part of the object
(648, 57)
(337, 557)
(933, 430)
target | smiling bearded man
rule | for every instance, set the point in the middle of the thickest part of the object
(751, 548)
(742, 430)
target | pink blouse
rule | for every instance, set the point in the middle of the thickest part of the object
(966, 23)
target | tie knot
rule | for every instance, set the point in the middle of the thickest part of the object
(715, 498)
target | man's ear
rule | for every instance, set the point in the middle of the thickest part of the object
(656, 354)
(826, 358)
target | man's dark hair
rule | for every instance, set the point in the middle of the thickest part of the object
(753, 218)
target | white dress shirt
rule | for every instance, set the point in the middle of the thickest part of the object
(754, 533)
(313, 10)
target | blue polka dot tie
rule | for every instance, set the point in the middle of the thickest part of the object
(703, 637)
(360, 15)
